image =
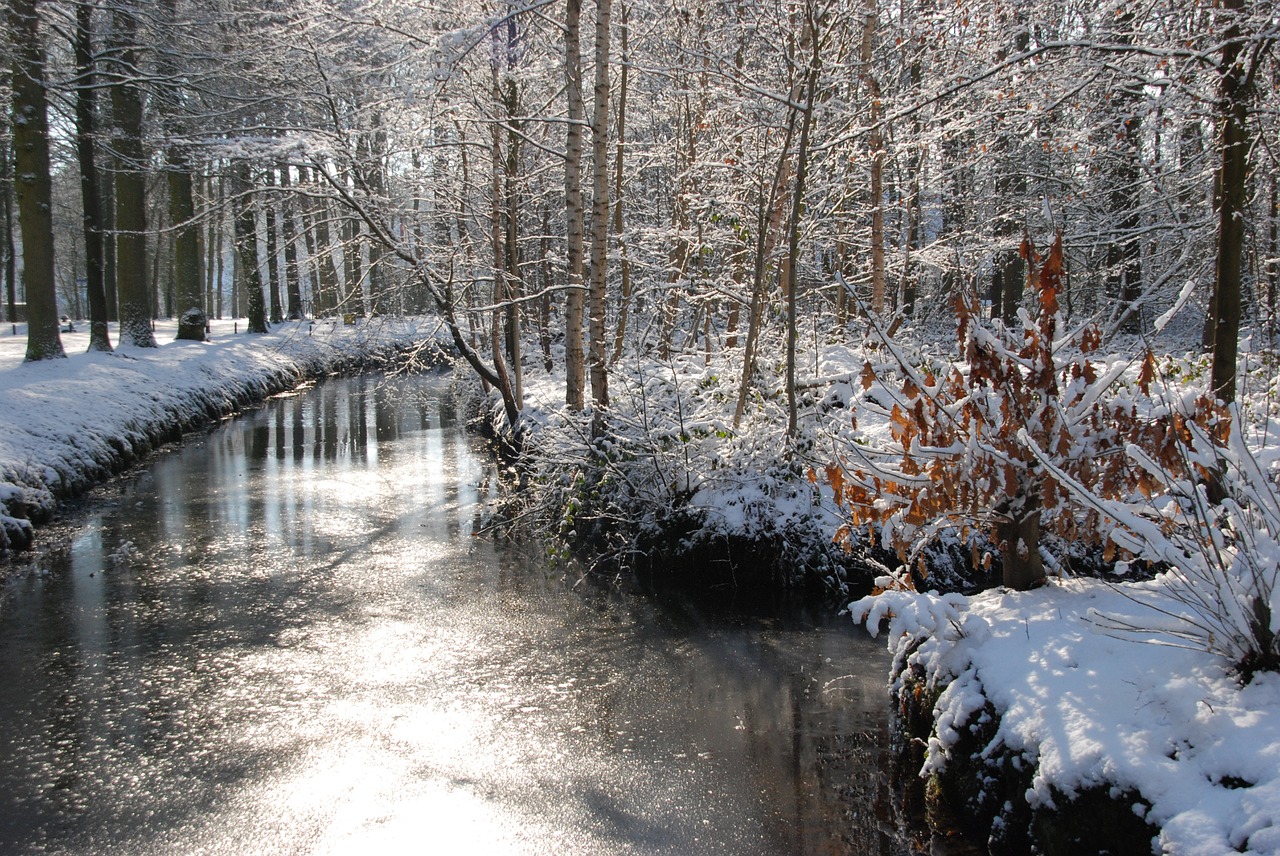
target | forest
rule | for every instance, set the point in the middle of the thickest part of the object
(673, 242)
(753, 211)
(828, 296)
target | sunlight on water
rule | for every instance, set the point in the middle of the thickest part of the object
(284, 637)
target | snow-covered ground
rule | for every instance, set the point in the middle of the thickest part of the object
(67, 423)
(1087, 708)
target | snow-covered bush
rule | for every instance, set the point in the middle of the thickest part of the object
(983, 447)
(672, 486)
(1220, 588)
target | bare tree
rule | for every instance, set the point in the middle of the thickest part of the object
(33, 182)
(575, 358)
(91, 195)
(130, 181)
(597, 357)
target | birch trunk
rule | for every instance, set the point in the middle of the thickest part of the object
(575, 358)
(596, 356)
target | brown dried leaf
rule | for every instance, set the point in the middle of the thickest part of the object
(1011, 486)
(835, 478)
(909, 466)
(868, 376)
(1147, 374)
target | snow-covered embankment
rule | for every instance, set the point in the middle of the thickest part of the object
(67, 424)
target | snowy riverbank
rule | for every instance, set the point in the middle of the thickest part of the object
(1047, 725)
(1050, 709)
(67, 424)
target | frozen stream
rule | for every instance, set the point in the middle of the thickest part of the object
(305, 649)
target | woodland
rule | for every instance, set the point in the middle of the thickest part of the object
(971, 305)
(963, 284)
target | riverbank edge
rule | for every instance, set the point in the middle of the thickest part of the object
(794, 560)
(981, 792)
(978, 801)
(32, 491)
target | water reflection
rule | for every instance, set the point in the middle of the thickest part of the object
(284, 637)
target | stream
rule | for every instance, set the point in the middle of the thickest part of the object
(285, 636)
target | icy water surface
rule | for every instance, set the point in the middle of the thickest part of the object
(285, 638)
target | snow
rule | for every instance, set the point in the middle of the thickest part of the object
(1079, 700)
(67, 423)
(1090, 709)
(1125, 686)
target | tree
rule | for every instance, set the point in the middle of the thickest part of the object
(288, 230)
(33, 181)
(875, 144)
(575, 359)
(810, 38)
(180, 179)
(91, 195)
(624, 302)
(130, 181)
(9, 247)
(273, 257)
(1238, 68)
(246, 245)
(597, 357)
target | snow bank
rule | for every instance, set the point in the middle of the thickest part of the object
(66, 424)
(1091, 710)
(675, 489)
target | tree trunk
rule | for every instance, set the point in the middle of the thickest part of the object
(1009, 280)
(107, 185)
(507, 371)
(793, 228)
(246, 243)
(769, 212)
(161, 257)
(544, 303)
(1233, 177)
(1125, 252)
(327, 283)
(596, 352)
(677, 269)
(575, 359)
(875, 144)
(513, 280)
(1022, 567)
(624, 264)
(10, 249)
(186, 289)
(130, 187)
(1008, 269)
(273, 270)
(375, 148)
(1273, 256)
(91, 197)
(292, 279)
(306, 215)
(192, 320)
(34, 184)
(213, 250)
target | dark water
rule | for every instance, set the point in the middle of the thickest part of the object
(285, 638)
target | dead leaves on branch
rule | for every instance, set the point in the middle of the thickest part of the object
(971, 444)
